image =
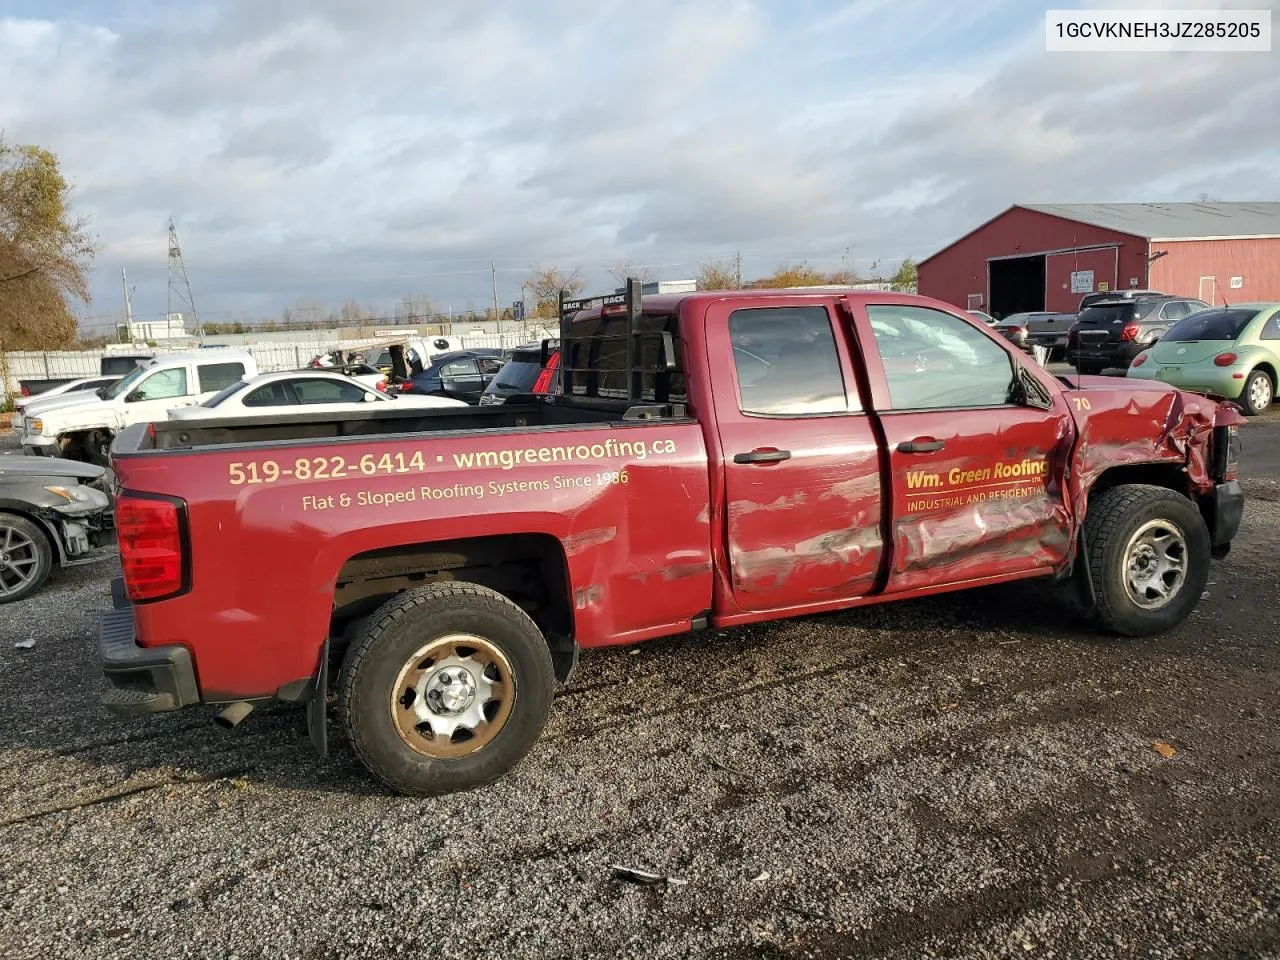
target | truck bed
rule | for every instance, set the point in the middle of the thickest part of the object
(511, 416)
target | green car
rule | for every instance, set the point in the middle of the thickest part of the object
(1231, 352)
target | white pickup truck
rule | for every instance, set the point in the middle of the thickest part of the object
(81, 426)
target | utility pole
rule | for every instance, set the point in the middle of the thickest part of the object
(497, 314)
(127, 333)
(179, 285)
(737, 259)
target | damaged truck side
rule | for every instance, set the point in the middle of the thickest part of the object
(710, 459)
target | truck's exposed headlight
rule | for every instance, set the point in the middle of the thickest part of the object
(35, 426)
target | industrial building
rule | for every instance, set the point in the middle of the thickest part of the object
(1048, 256)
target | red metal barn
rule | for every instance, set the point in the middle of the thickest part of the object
(1048, 256)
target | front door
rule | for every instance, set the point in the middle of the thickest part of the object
(802, 497)
(158, 393)
(976, 476)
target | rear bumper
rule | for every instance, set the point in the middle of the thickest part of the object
(141, 680)
(1224, 510)
(1106, 355)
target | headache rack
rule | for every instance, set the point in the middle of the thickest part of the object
(622, 357)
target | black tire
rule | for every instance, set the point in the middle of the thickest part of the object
(13, 527)
(1115, 517)
(387, 645)
(1247, 401)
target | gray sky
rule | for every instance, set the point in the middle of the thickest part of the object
(327, 150)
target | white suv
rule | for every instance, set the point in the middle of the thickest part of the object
(81, 426)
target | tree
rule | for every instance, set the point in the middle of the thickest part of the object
(625, 269)
(716, 276)
(790, 276)
(545, 283)
(905, 280)
(44, 251)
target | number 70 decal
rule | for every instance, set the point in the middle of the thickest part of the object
(1082, 403)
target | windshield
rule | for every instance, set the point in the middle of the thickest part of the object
(1211, 325)
(519, 374)
(225, 392)
(125, 385)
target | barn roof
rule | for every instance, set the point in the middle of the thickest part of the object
(1172, 221)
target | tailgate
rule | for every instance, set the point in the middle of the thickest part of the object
(1101, 325)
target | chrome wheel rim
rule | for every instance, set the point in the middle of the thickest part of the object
(1260, 393)
(1155, 564)
(453, 696)
(19, 561)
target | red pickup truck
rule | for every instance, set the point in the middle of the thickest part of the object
(709, 459)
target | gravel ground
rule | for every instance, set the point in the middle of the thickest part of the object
(968, 776)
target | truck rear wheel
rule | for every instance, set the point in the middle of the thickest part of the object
(447, 687)
(1148, 558)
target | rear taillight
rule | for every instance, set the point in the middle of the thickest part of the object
(1139, 360)
(1225, 359)
(543, 383)
(26, 391)
(152, 535)
(1128, 332)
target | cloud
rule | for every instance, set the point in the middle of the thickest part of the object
(323, 149)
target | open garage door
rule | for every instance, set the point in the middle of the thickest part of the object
(1016, 284)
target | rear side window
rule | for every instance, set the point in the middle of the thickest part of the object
(327, 391)
(1225, 324)
(597, 366)
(1271, 329)
(466, 367)
(1106, 315)
(1175, 310)
(933, 360)
(786, 362)
(275, 394)
(218, 376)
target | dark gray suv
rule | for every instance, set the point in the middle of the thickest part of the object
(1110, 333)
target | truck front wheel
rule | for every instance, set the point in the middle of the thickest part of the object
(1148, 558)
(447, 687)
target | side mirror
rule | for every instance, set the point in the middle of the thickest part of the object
(134, 396)
(1028, 391)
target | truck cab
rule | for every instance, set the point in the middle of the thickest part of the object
(81, 426)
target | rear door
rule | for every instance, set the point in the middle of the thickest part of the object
(460, 379)
(802, 475)
(976, 489)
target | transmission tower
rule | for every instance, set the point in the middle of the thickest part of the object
(179, 285)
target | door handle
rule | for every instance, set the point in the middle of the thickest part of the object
(762, 456)
(922, 445)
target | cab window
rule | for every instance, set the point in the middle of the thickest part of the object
(933, 360)
(786, 362)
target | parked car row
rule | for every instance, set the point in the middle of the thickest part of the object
(1230, 351)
